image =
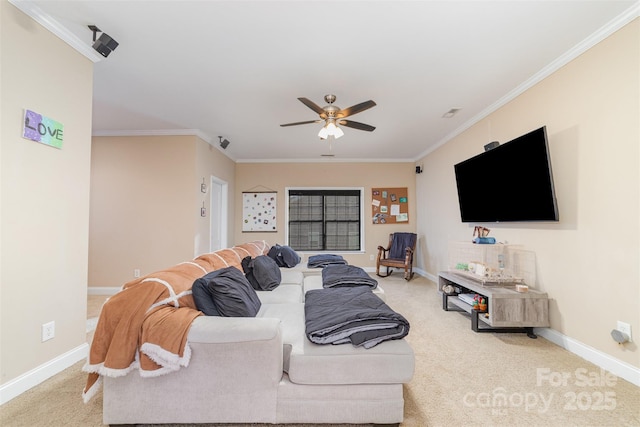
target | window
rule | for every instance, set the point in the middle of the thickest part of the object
(325, 219)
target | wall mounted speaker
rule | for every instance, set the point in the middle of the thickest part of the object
(105, 45)
(224, 144)
(418, 169)
(491, 145)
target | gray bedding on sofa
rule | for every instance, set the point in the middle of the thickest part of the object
(346, 275)
(322, 260)
(351, 315)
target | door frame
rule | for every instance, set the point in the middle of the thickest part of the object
(219, 212)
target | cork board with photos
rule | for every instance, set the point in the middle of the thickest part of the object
(389, 205)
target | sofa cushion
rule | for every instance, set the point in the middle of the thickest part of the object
(283, 294)
(291, 277)
(231, 293)
(348, 403)
(306, 271)
(292, 325)
(387, 363)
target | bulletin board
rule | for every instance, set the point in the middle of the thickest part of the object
(389, 205)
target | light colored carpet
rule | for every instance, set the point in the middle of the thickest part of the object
(462, 378)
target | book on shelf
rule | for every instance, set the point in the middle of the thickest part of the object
(468, 298)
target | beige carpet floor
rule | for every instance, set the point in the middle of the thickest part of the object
(462, 378)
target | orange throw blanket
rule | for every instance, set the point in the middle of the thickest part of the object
(145, 325)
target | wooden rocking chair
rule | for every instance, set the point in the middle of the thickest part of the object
(397, 254)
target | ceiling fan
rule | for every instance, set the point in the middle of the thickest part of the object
(332, 116)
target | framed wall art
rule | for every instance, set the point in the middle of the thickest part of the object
(259, 211)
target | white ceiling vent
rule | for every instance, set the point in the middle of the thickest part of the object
(452, 112)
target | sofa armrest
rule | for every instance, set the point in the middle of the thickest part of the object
(232, 377)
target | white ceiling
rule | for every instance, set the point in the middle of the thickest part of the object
(236, 68)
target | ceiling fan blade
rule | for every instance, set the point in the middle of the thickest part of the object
(301, 123)
(355, 109)
(356, 125)
(315, 107)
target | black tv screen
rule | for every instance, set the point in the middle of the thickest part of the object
(512, 182)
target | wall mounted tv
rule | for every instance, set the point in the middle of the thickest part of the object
(512, 182)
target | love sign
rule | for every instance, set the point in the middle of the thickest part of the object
(42, 129)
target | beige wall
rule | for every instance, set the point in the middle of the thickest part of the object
(145, 203)
(140, 184)
(44, 196)
(278, 176)
(588, 262)
(210, 162)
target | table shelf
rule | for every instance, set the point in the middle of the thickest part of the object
(507, 309)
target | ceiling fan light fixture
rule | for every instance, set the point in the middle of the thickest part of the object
(324, 133)
(332, 115)
(330, 129)
(337, 132)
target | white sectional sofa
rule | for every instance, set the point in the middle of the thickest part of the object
(265, 370)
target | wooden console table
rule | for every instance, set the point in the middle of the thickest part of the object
(507, 309)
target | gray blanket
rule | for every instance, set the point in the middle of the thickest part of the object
(351, 315)
(401, 241)
(322, 260)
(346, 275)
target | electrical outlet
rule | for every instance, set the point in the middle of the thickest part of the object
(625, 328)
(136, 272)
(48, 331)
(371, 257)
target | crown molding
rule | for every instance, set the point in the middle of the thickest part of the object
(602, 33)
(57, 28)
(166, 132)
(326, 160)
(155, 132)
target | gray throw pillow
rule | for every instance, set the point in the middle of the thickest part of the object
(262, 272)
(232, 295)
(284, 256)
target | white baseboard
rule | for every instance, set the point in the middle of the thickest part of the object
(43, 372)
(426, 275)
(102, 290)
(418, 271)
(607, 362)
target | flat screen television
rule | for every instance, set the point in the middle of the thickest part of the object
(511, 182)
